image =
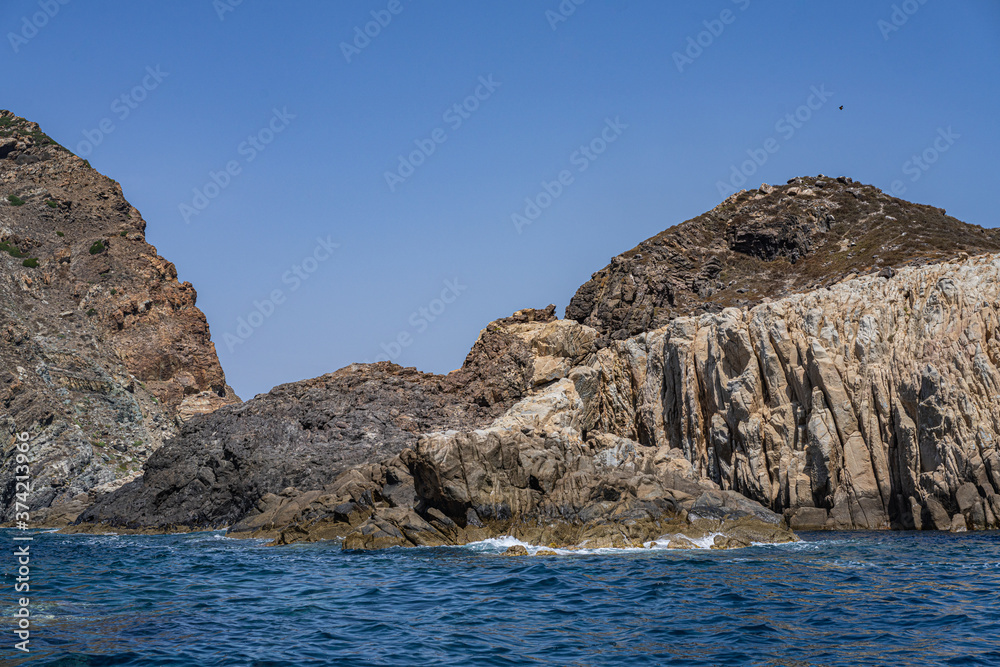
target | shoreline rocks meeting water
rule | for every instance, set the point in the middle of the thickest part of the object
(817, 355)
(745, 417)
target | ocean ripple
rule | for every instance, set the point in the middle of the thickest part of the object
(203, 599)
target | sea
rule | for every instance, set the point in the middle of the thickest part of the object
(887, 598)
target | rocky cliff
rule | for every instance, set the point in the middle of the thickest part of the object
(385, 456)
(301, 436)
(868, 404)
(852, 384)
(102, 351)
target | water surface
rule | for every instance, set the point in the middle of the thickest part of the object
(204, 599)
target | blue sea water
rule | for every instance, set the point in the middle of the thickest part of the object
(204, 599)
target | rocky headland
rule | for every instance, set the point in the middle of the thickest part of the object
(806, 356)
(538, 468)
(103, 353)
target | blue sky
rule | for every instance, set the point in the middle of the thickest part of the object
(255, 136)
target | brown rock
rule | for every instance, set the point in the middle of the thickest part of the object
(118, 353)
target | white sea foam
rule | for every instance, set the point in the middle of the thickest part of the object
(497, 545)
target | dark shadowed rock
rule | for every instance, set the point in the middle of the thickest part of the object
(787, 382)
(222, 467)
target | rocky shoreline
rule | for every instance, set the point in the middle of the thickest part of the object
(103, 352)
(793, 413)
(811, 356)
(538, 472)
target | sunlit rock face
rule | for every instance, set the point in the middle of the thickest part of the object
(103, 352)
(869, 404)
(848, 382)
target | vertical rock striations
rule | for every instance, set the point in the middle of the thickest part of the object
(816, 355)
(870, 404)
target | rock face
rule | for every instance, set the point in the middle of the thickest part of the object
(871, 404)
(866, 403)
(301, 462)
(102, 350)
(768, 243)
(224, 466)
(535, 475)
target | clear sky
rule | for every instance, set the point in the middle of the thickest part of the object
(300, 116)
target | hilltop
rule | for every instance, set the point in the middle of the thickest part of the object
(768, 243)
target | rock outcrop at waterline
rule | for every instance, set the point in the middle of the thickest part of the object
(102, 351)
(870, 404)
(533, 468)
(867, 405)
(300, 436)
(867, 402)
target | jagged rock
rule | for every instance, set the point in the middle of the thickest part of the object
(726, 542)
(868, 404)
(225, 467)
(516, 550)
(534, 475)
(681, 542)
(102, 354)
